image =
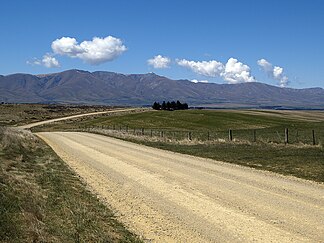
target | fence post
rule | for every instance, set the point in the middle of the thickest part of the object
(142, 131)
(313, 134)
(151, 133)
(208, 136)
(161, 134)
(254, 135)
(230, 135)
(189, 136)
(286, 136)
(297, 140)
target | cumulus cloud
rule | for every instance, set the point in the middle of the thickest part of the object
(159, 62)
(266, 66)
(96, 51)
(232, 72)
(237, 72)
(199, 81)
(274, 72)
(206, 68)
(48, 61)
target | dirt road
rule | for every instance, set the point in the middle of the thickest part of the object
(74, 116)
(169, 197)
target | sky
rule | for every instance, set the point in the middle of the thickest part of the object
(278, 42)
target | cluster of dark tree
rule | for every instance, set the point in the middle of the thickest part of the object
(170, 106)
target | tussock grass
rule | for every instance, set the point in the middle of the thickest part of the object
(42, 200)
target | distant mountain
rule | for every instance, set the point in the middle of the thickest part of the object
(82, 87)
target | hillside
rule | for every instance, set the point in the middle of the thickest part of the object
(80, 87)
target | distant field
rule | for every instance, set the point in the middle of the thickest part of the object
(299, 158)
(20, 114)
(212, 119)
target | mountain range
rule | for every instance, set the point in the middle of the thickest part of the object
(83, 87)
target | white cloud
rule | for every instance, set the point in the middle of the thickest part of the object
(232, 72)
(159, 62)
(207, 68)
(277, 72)
(199, 81)
(274, 72)
(266, 66)
(237, 72)
(66, 46)
(96, 51)
(48, 61)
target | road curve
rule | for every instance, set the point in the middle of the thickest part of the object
(170, 197)
(27, 126)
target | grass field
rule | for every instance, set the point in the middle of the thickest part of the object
(42, 200)
(299, 158)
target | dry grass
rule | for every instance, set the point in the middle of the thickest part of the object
(42, 200)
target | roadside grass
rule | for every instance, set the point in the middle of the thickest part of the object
(304, 162)
(42, 200)
(20, 114)
(299, 158)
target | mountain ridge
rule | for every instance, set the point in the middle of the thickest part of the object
(103, 87)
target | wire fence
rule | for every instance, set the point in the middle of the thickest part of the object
(264, 135)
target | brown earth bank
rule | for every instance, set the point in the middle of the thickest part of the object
(170, 197)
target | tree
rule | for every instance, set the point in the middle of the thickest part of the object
(185, 106)
(156, 106)
(163, 107)
(173, 105)
(178, 105)
(170, 106)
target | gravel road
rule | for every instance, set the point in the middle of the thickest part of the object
(74, 116)
(169, 197)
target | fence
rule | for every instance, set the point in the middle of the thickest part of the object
(264, 135)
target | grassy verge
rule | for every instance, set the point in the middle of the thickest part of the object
(42, 200)
(303, 162)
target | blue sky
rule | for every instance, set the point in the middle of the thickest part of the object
(217, 41)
